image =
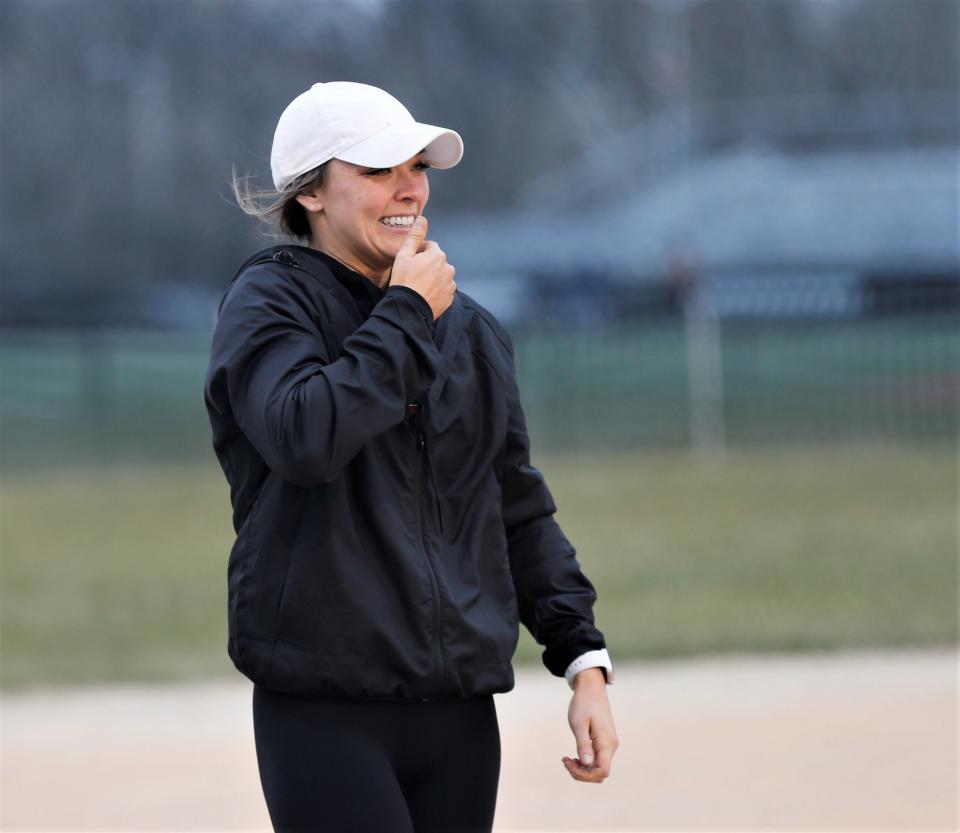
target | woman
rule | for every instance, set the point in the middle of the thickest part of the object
(391, 531)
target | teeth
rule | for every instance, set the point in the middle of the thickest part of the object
(397, 221)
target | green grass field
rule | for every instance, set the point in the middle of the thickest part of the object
(119, 573)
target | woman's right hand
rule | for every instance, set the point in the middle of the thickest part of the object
(422, 265)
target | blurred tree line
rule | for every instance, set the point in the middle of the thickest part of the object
(122, 118)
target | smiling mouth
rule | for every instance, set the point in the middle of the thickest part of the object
(398, 222)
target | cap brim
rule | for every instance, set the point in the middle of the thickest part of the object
(399, 142)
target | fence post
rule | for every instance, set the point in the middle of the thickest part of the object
(704, 364)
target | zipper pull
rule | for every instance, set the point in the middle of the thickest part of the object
(413, 409)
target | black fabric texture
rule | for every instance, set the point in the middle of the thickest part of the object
(368, 767)
(392, 532)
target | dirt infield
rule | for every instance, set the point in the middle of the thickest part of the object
(840, 742)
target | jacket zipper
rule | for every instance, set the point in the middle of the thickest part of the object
(421, 452)
(433, 483)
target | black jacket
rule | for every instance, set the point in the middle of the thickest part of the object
(391, 531)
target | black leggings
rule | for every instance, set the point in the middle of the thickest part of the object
(350, 766)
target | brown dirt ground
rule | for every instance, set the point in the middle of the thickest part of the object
(837, 742)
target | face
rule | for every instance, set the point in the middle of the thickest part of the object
(348, 212)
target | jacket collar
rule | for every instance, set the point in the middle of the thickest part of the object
(446, 330)
(366, 293)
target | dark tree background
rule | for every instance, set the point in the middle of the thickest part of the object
(121, 119)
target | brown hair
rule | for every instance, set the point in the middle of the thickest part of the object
(279, 210)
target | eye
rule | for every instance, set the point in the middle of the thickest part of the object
(417, 166)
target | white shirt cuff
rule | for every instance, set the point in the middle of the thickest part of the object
(591, 659)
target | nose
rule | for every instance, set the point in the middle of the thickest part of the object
(413, 189)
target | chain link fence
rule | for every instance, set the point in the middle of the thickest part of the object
(675, 375)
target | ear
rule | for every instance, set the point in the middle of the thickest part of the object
(310, 200)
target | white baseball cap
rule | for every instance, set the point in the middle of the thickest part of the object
(355, 123)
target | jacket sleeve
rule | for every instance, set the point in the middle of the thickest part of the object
(555, 599)
(305, 412)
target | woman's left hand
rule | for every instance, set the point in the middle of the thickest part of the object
(592, 723)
